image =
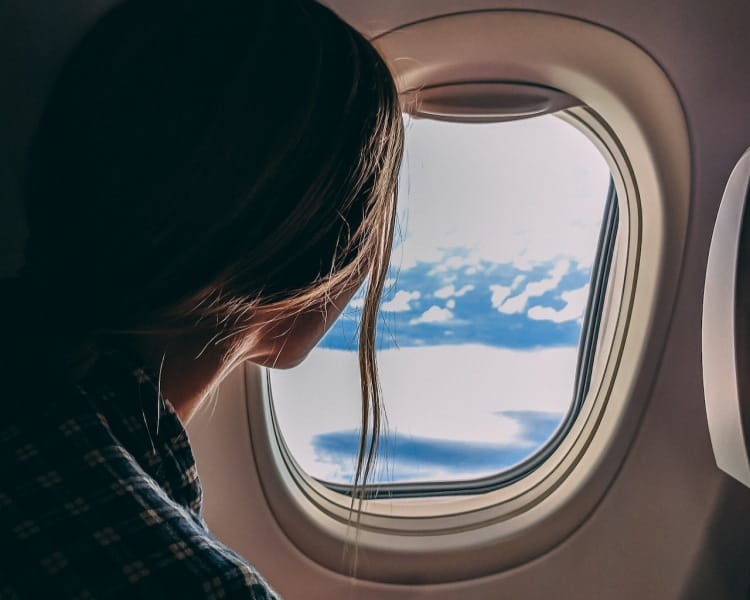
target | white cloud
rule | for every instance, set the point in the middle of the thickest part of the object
(575, 304)
(400, 302)
(450, 304)
(518, 280)
(357, 302)
(445, 292)
(434, 314)
(513, 305)
(450, 290)
(517, 303)
(455, 262)
(407, 255)
(522, 262)
(499, 294)
(538, 288)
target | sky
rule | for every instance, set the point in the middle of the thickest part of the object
(481, 317)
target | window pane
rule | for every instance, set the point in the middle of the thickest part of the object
(481, 319)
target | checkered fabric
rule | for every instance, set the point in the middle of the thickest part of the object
(100, 498)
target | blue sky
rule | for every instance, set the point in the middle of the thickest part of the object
(465, 312)
(481, 318)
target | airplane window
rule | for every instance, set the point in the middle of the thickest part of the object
(489, 320)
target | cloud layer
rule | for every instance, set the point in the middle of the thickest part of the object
(406, 458)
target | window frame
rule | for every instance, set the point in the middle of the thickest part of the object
(511, 495)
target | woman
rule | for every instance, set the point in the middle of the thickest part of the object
(210, 182)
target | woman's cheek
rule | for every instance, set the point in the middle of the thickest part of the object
(289, 342)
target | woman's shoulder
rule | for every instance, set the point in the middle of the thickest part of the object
(99, 498)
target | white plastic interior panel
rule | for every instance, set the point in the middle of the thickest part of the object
(724, 312)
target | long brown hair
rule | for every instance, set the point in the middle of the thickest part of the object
(198, 160)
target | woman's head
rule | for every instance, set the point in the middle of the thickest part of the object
(200, 163)
(198, 155)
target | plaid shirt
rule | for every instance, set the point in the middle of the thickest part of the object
(100, 498)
